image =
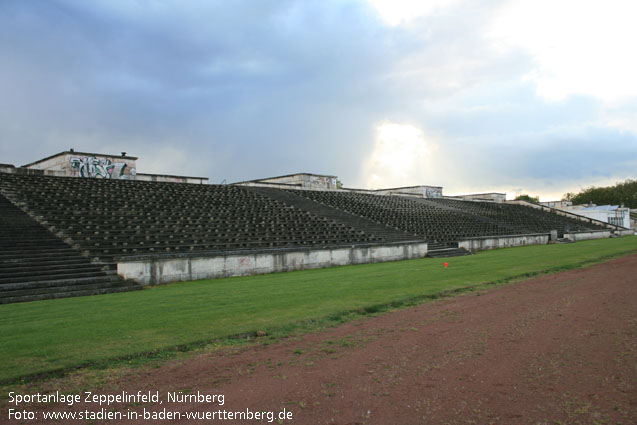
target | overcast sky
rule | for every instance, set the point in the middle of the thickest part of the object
(534, 97)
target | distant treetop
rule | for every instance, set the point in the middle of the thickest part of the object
(622, 193)
(528, 198)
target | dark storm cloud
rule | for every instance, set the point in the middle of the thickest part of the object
(275, 85)
(246, 89)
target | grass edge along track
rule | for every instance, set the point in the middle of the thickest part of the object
(48, 338)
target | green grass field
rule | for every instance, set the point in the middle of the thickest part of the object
(47, 336)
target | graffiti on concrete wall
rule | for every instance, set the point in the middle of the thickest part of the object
(90, 166)
(433, 192)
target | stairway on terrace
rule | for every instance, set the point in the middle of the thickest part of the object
(387, 233)
(382, 231)
(430, 222)
(445, 249)
(36, 265)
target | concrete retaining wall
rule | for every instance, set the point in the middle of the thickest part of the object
(495, 242)
(627, 232)
(583, 236)
(150, 271)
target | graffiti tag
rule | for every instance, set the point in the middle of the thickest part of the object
(433, 193)
(90, 166)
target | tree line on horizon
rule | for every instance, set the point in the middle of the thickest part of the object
(621, 193)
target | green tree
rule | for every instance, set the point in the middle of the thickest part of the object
(622, 193)
(525, 197)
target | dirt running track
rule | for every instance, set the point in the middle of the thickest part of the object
(556, 349)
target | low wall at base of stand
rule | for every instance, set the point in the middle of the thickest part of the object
(152, 270)
(625, 232)
(495, 242)
(584, 236)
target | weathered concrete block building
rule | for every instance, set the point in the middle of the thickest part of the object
(94, 165)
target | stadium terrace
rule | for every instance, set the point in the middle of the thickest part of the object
(79, 223)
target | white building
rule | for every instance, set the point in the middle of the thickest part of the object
(612, 214)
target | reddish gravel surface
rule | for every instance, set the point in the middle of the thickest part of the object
(559, 349)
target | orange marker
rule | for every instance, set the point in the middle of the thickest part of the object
(446, 264)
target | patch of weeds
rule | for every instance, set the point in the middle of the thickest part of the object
(372, 309)
(222, 380)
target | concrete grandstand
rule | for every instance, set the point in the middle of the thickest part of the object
(79, 235)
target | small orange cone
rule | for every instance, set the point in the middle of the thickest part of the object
(446, 264)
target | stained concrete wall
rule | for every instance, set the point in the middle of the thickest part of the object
(11, 169)
(299, 180)
(170, 178)
(82, 164)
(491, 196)
(495, 242)
(420, 191)
(583, 236)
(156, 270)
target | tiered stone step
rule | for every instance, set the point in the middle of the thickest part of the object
(106, 219)
(63, 288)
(385, 233)
(428, 222)
(444, 250)
(518, 218)
(454, 209)
(446, 220)
(35, 265)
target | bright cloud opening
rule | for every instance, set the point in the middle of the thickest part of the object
(401, 157)
(580, 46)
